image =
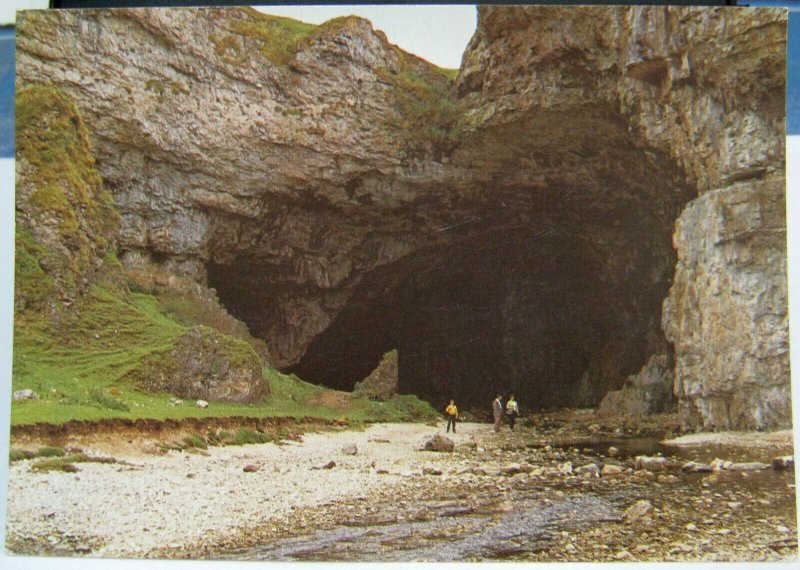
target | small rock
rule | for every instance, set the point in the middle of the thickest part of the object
(589, 468)
(695, 467)
(512, 469)
(651, 463)
(329, 465)
(251, 468)
(431, 471)
(565, 468)
(724, 531)
(440, 443)
(691, 527)
(783, 463)
(83, 548)
(350, 449)
(612, 451)
(665, 478)
(638, 510)
(570, 547)
(751, 466)
(201, 404)
(25, 395)
(609, 469)
(594, 428)
(685, 548)
(734, 504)
(783, 529)
(622, 555)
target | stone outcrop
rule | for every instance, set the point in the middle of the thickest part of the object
(205, 365)
(382, 382)
(648, 392)
(727, 310)
(514, 231)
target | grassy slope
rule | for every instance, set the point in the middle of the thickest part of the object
(83, 358)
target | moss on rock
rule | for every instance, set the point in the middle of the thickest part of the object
(66, 221)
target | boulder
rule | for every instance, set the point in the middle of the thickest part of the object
(201, 404)
(382, 382)
(25, 395)
(589, 468)
(750, 466)
(638, 510)
(609, 469)
(651, 463)
(350, 449)
(695, 467)
(440, 443)
(647, 392)
(783, 463)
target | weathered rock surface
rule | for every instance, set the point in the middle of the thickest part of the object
(648, 392)
(206, 365)
(727, 310)
(26, 394)
(382, 383)
(440, 443)
(651, 463)
(638, 510)
(526, 216)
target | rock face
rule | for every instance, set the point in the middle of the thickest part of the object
(206, 365)
(727, 310)
(648, 392)
(513, 231)
(382, 383)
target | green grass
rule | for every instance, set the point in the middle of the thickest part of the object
(91, 357)
(67, 462)
(83, 368)
(278, 39)
(426, 108)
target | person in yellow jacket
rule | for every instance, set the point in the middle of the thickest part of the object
(451, 412)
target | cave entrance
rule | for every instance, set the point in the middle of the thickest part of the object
(551, 284)
(511, 311)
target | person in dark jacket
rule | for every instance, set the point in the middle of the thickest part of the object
(497, 412)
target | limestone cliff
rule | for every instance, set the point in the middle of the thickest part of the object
(511, 230)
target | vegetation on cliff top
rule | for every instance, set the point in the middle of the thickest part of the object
(425, 105)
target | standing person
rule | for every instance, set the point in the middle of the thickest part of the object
(497, 411)
(451, 412)
(512, 411)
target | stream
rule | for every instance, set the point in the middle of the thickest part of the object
(524, 518)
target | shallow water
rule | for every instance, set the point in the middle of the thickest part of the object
(533, 517)
(530, 526)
